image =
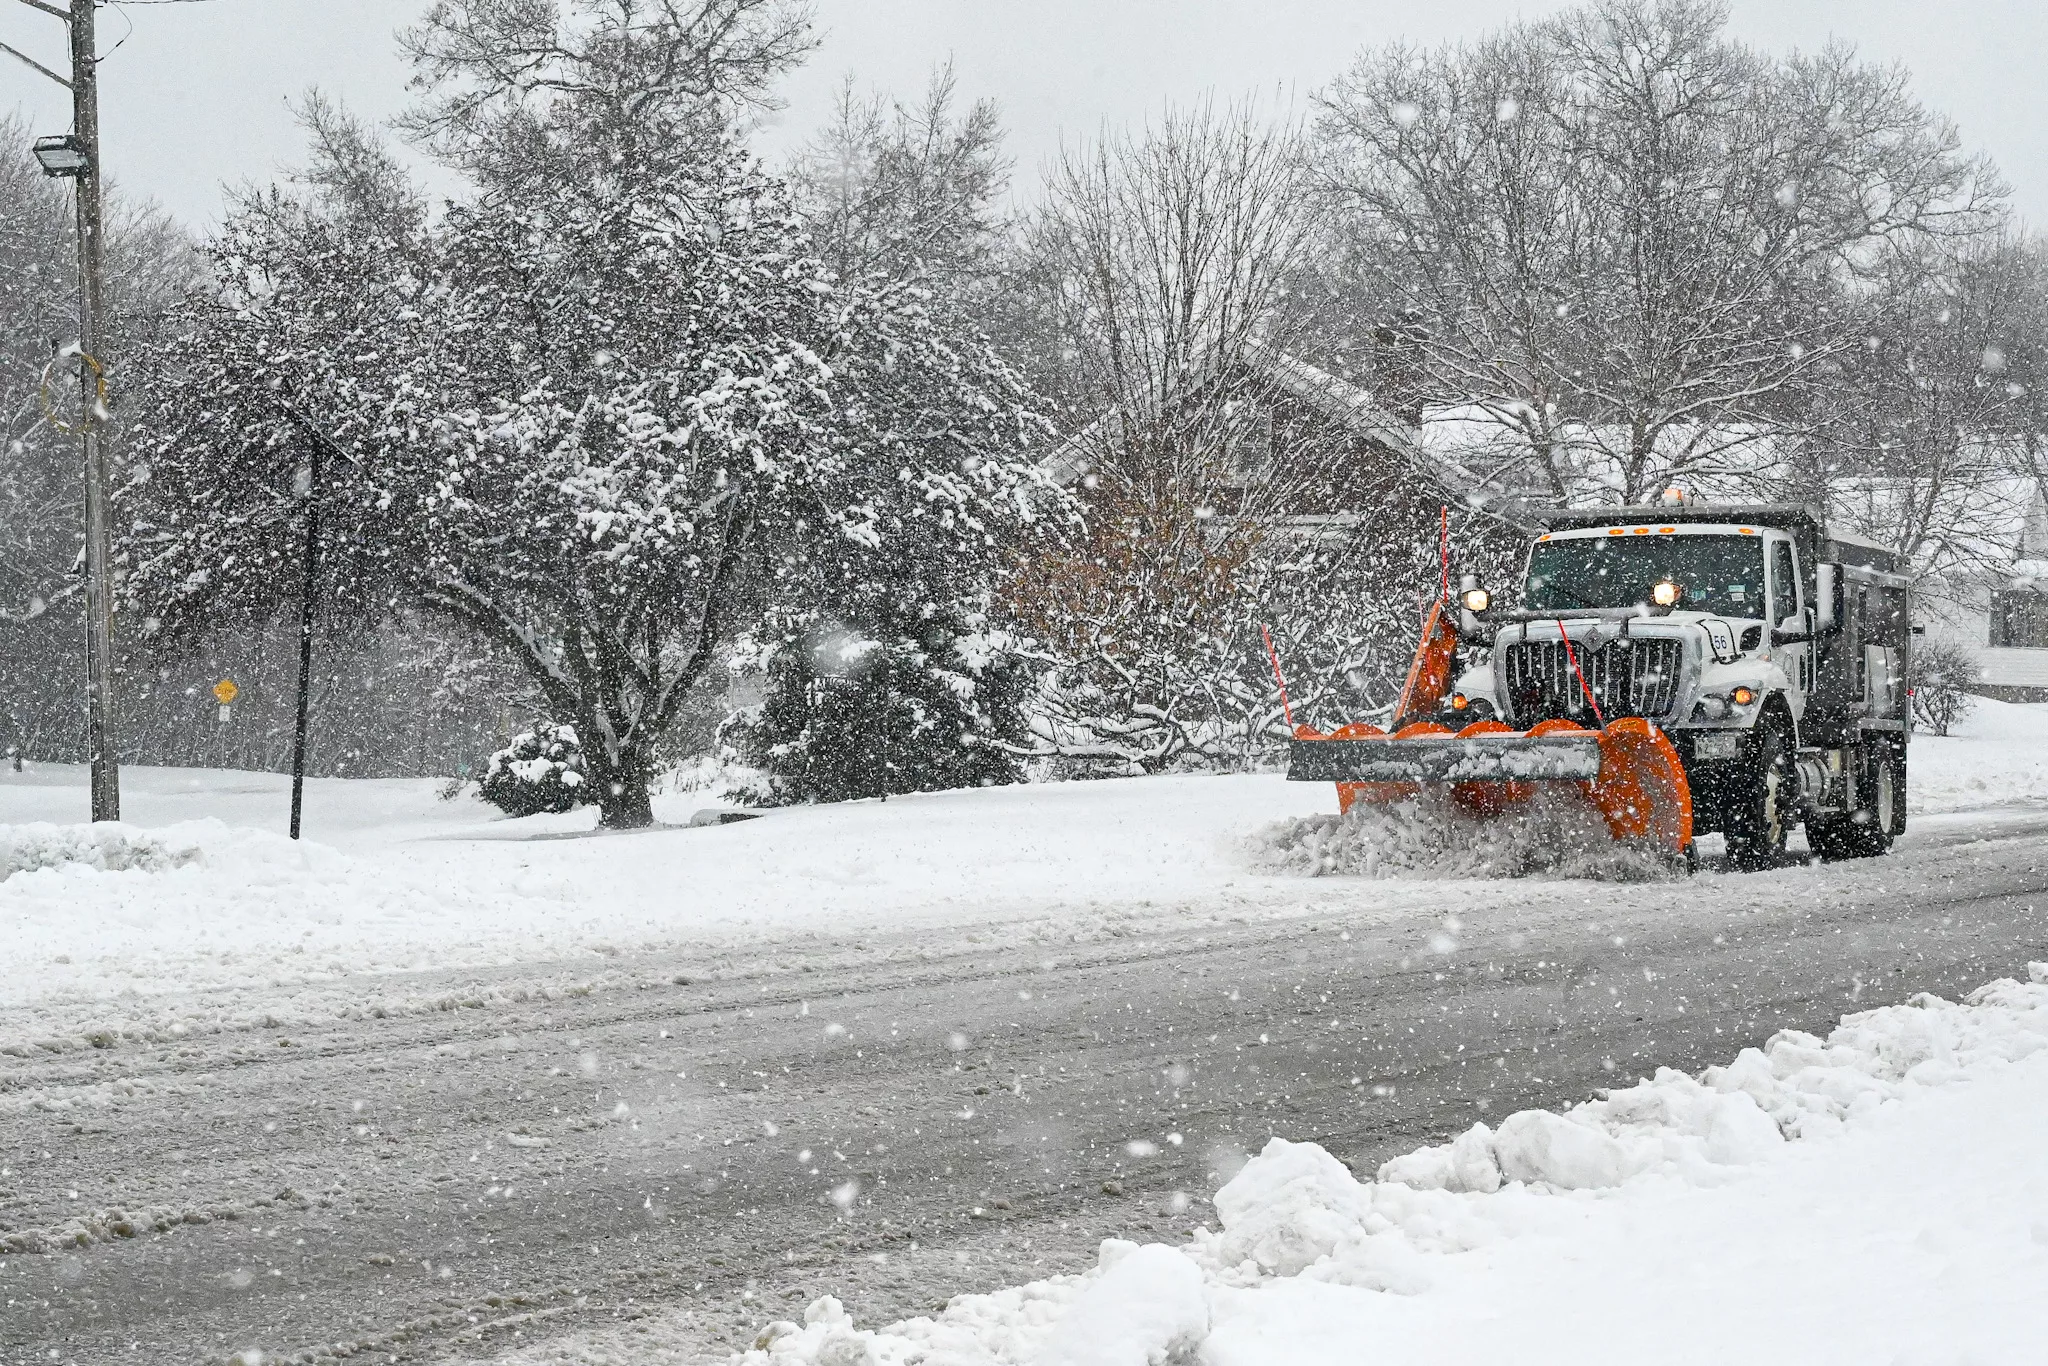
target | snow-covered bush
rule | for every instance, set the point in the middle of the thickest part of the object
(541, 770)
(858, 713)
(1940, 675)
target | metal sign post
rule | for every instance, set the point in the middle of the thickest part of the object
(225, 692)
(311, 473)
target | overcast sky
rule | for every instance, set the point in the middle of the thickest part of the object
(196, 94)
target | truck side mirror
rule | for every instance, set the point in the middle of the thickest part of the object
(1827, 616)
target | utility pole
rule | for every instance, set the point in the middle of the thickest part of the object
(99, 598)
(78, 158)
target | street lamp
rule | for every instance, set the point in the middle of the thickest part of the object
(63, 155)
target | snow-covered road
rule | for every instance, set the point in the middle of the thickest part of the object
(693, 1139)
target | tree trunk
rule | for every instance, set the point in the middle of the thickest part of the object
(623, 799)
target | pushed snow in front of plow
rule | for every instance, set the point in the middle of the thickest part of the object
(1553, 835)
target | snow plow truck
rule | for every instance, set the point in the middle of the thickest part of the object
(1685, 668)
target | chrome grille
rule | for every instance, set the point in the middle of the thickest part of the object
(1628, 677)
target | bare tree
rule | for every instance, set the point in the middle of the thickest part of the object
(908, 194)
(1625, 238)
(522, 89)
(1165, 265)
(1925, 435)
(1166, 256)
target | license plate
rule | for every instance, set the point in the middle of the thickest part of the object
(1717, 744)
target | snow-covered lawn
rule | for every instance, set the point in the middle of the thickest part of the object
(1998, 756)
(392, 878)
(1875, 1197)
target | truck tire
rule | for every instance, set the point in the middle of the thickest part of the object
(1895, 755)
(1880, 810)
(1760, 807)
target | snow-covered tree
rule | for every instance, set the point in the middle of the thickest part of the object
(884, 672)
(541, 770)
(529, 92)
(604, 425)
(611, 412)
(845, 715)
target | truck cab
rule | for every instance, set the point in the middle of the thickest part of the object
(1769, 650)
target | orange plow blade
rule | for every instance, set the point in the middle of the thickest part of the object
(1628, 771)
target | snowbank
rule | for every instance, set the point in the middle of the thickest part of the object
(1853, 1199)
(1144, 1308)
(1139, 1306)
(105, 847)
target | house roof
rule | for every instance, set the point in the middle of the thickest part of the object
(1338, 399)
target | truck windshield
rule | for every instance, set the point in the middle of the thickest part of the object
(1720, 574)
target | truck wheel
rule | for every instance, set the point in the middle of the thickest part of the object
(1895, 759)
(1760, 802)
(1886, 808)
(1880, 811)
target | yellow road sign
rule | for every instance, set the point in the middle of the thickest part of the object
(225, 691)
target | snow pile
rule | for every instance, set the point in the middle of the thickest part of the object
(107, 846)
(1290, 1207)
(1670, 1121)
(1836, 1155)
(1145, 1307)
(1555, 834)
(1139, 1306)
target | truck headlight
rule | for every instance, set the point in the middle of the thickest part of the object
(1666, 594)
(1476, 600)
